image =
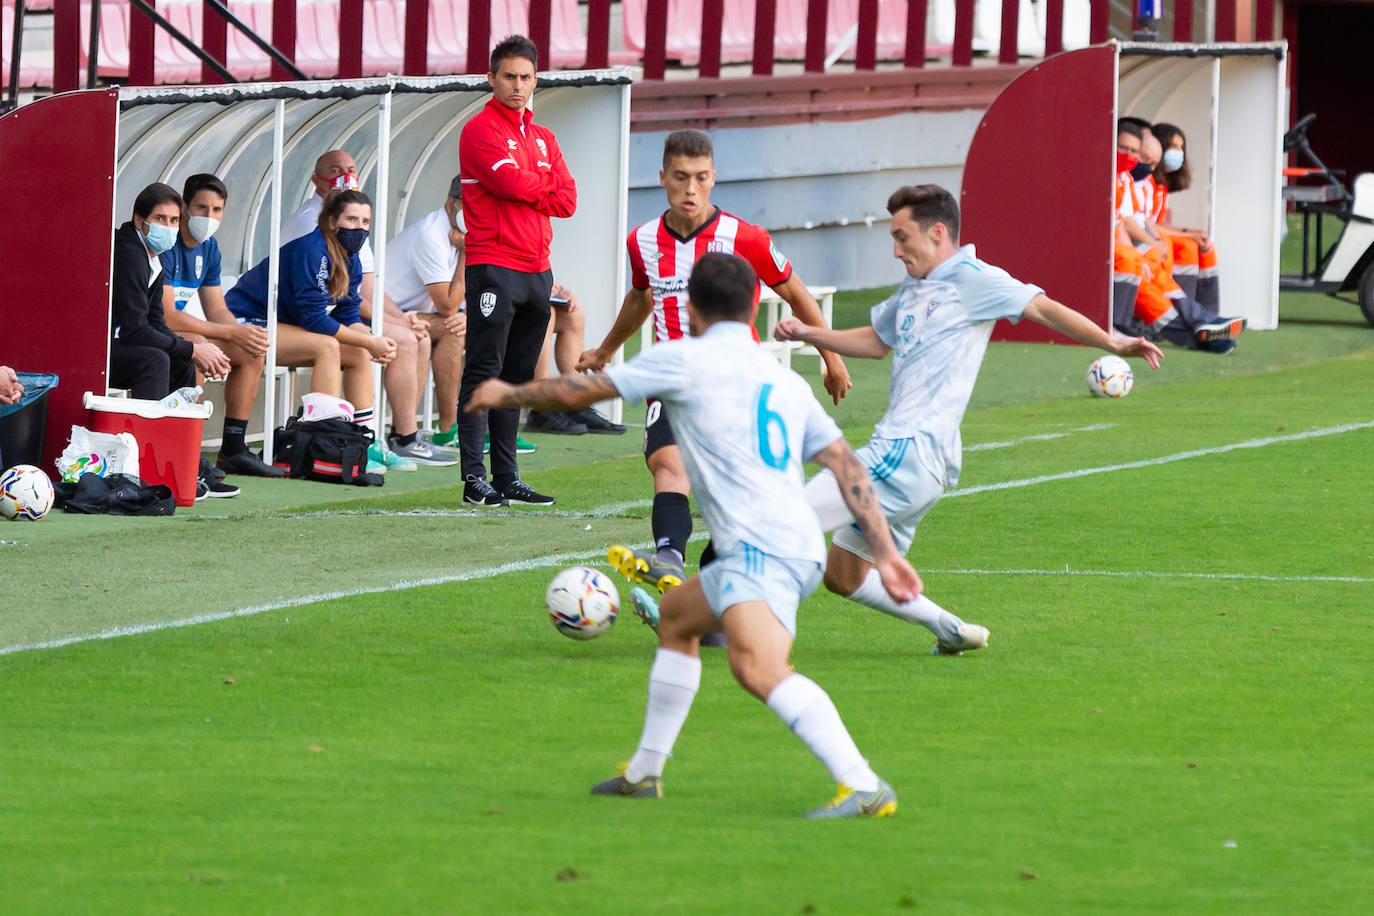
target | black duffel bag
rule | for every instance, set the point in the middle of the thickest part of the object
(333, 450)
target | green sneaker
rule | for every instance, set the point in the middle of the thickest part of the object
(648, 787)
(377, 453)
(661, 569)
(445, 437)
(881, 802)
(521, 446)
(645, 606)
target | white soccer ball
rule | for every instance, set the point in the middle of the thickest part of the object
(25, 493)
(1110, 377)
(582, 602)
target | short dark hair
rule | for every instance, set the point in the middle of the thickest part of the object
(1129, 126)
(1143, 124)
(514, 46)
(722, 287)
(455, 187)
(203, 181)
(690, 143)
(929, 204)
(153, 196)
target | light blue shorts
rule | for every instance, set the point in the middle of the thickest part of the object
(906, 491)
(748, 574)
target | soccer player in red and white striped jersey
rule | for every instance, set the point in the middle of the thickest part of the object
(662, 254)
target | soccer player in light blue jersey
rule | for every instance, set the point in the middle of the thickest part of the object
(936, 326)
(745, 426)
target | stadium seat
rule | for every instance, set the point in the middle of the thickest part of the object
(30, 76)
(383, 37)
(567, 37)
(317, 38)
(173, 62)
(1077, 22)
(448, 36)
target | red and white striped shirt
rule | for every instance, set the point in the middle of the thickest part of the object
(662, 261)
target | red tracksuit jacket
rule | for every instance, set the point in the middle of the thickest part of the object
(513, 181)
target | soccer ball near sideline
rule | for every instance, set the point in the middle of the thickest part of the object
(582, 602)
(1110, 377)
(25, 493)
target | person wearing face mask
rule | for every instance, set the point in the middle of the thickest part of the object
(318, 322)
(192, 285)
(336, 170)
(1195, 257)
(1143, 259)
(146, 356)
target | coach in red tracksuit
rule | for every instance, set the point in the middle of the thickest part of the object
(514, 179)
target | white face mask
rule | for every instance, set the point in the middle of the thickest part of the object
(459, 223)
(202, 227)
(1173, 160)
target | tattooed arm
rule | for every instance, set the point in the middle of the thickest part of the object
(856, 486)
(567, 392)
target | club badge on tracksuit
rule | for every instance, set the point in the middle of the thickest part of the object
(487, 303)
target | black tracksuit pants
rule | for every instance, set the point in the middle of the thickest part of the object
(508, 313)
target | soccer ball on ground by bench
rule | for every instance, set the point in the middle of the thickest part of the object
(26, 493)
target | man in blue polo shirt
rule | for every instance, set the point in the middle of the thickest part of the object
(193, 302)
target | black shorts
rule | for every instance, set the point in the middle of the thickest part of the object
(657, 432)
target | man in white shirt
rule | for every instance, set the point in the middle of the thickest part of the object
(936, 326)
(425, 278)
(745, 425)
(336, 171)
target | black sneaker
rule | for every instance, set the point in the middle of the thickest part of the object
(596, 423)
(245, 462)
(211, 485)
(517, 491)
(554, 423)
(477, 492)
(1220, 347)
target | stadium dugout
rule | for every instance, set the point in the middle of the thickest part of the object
(87, 154)
(1038, 180)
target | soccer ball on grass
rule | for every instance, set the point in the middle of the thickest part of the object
(582, 602)
(1110, 377)
(25, 493)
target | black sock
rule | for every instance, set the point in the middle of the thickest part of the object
(708, 556)
(672, 521)
(232, 442)
(406, 440)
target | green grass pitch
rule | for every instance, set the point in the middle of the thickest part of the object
(1172, 715)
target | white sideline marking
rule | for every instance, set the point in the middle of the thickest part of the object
(1163, 459)
(135, 629)
(540, 562)
(607, 511)
(1041, 437)
(1145, 574)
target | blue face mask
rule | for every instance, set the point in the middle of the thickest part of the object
(352, 239)
(160, 238)
(1173, 160)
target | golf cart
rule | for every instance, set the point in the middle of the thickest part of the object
(1349, 262)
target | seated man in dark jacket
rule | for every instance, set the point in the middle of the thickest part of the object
(145, 356)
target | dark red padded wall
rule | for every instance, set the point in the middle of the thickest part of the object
(58, 159)
(1038, 185)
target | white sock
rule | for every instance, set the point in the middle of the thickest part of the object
(673, 682)
(363, 417)
(806, 709)
(927, 613)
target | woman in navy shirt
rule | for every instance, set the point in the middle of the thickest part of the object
(318, 324)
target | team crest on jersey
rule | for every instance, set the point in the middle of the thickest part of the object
(510, 143)
(716, 245)
(778, 259)
(907, 322)
(487, 304)
(931, 306)
(200, 262)
(539, 142)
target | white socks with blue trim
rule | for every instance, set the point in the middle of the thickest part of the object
(807, 709)
(927, 613)
(673, 682)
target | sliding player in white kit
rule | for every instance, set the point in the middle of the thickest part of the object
(936, 326)
(745, 425)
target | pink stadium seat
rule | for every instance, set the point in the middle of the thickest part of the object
(246, 60)
(317, 38)
(383, 37)
(114, 39)
(173, 62)
(567, 38)
(448, 36)
(30, 76)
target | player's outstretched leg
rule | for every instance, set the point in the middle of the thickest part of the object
(645, 605)
(881, 802)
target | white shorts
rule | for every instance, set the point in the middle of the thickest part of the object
(749, 574)
(906, 492)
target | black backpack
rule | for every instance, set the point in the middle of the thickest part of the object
(333, 450)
